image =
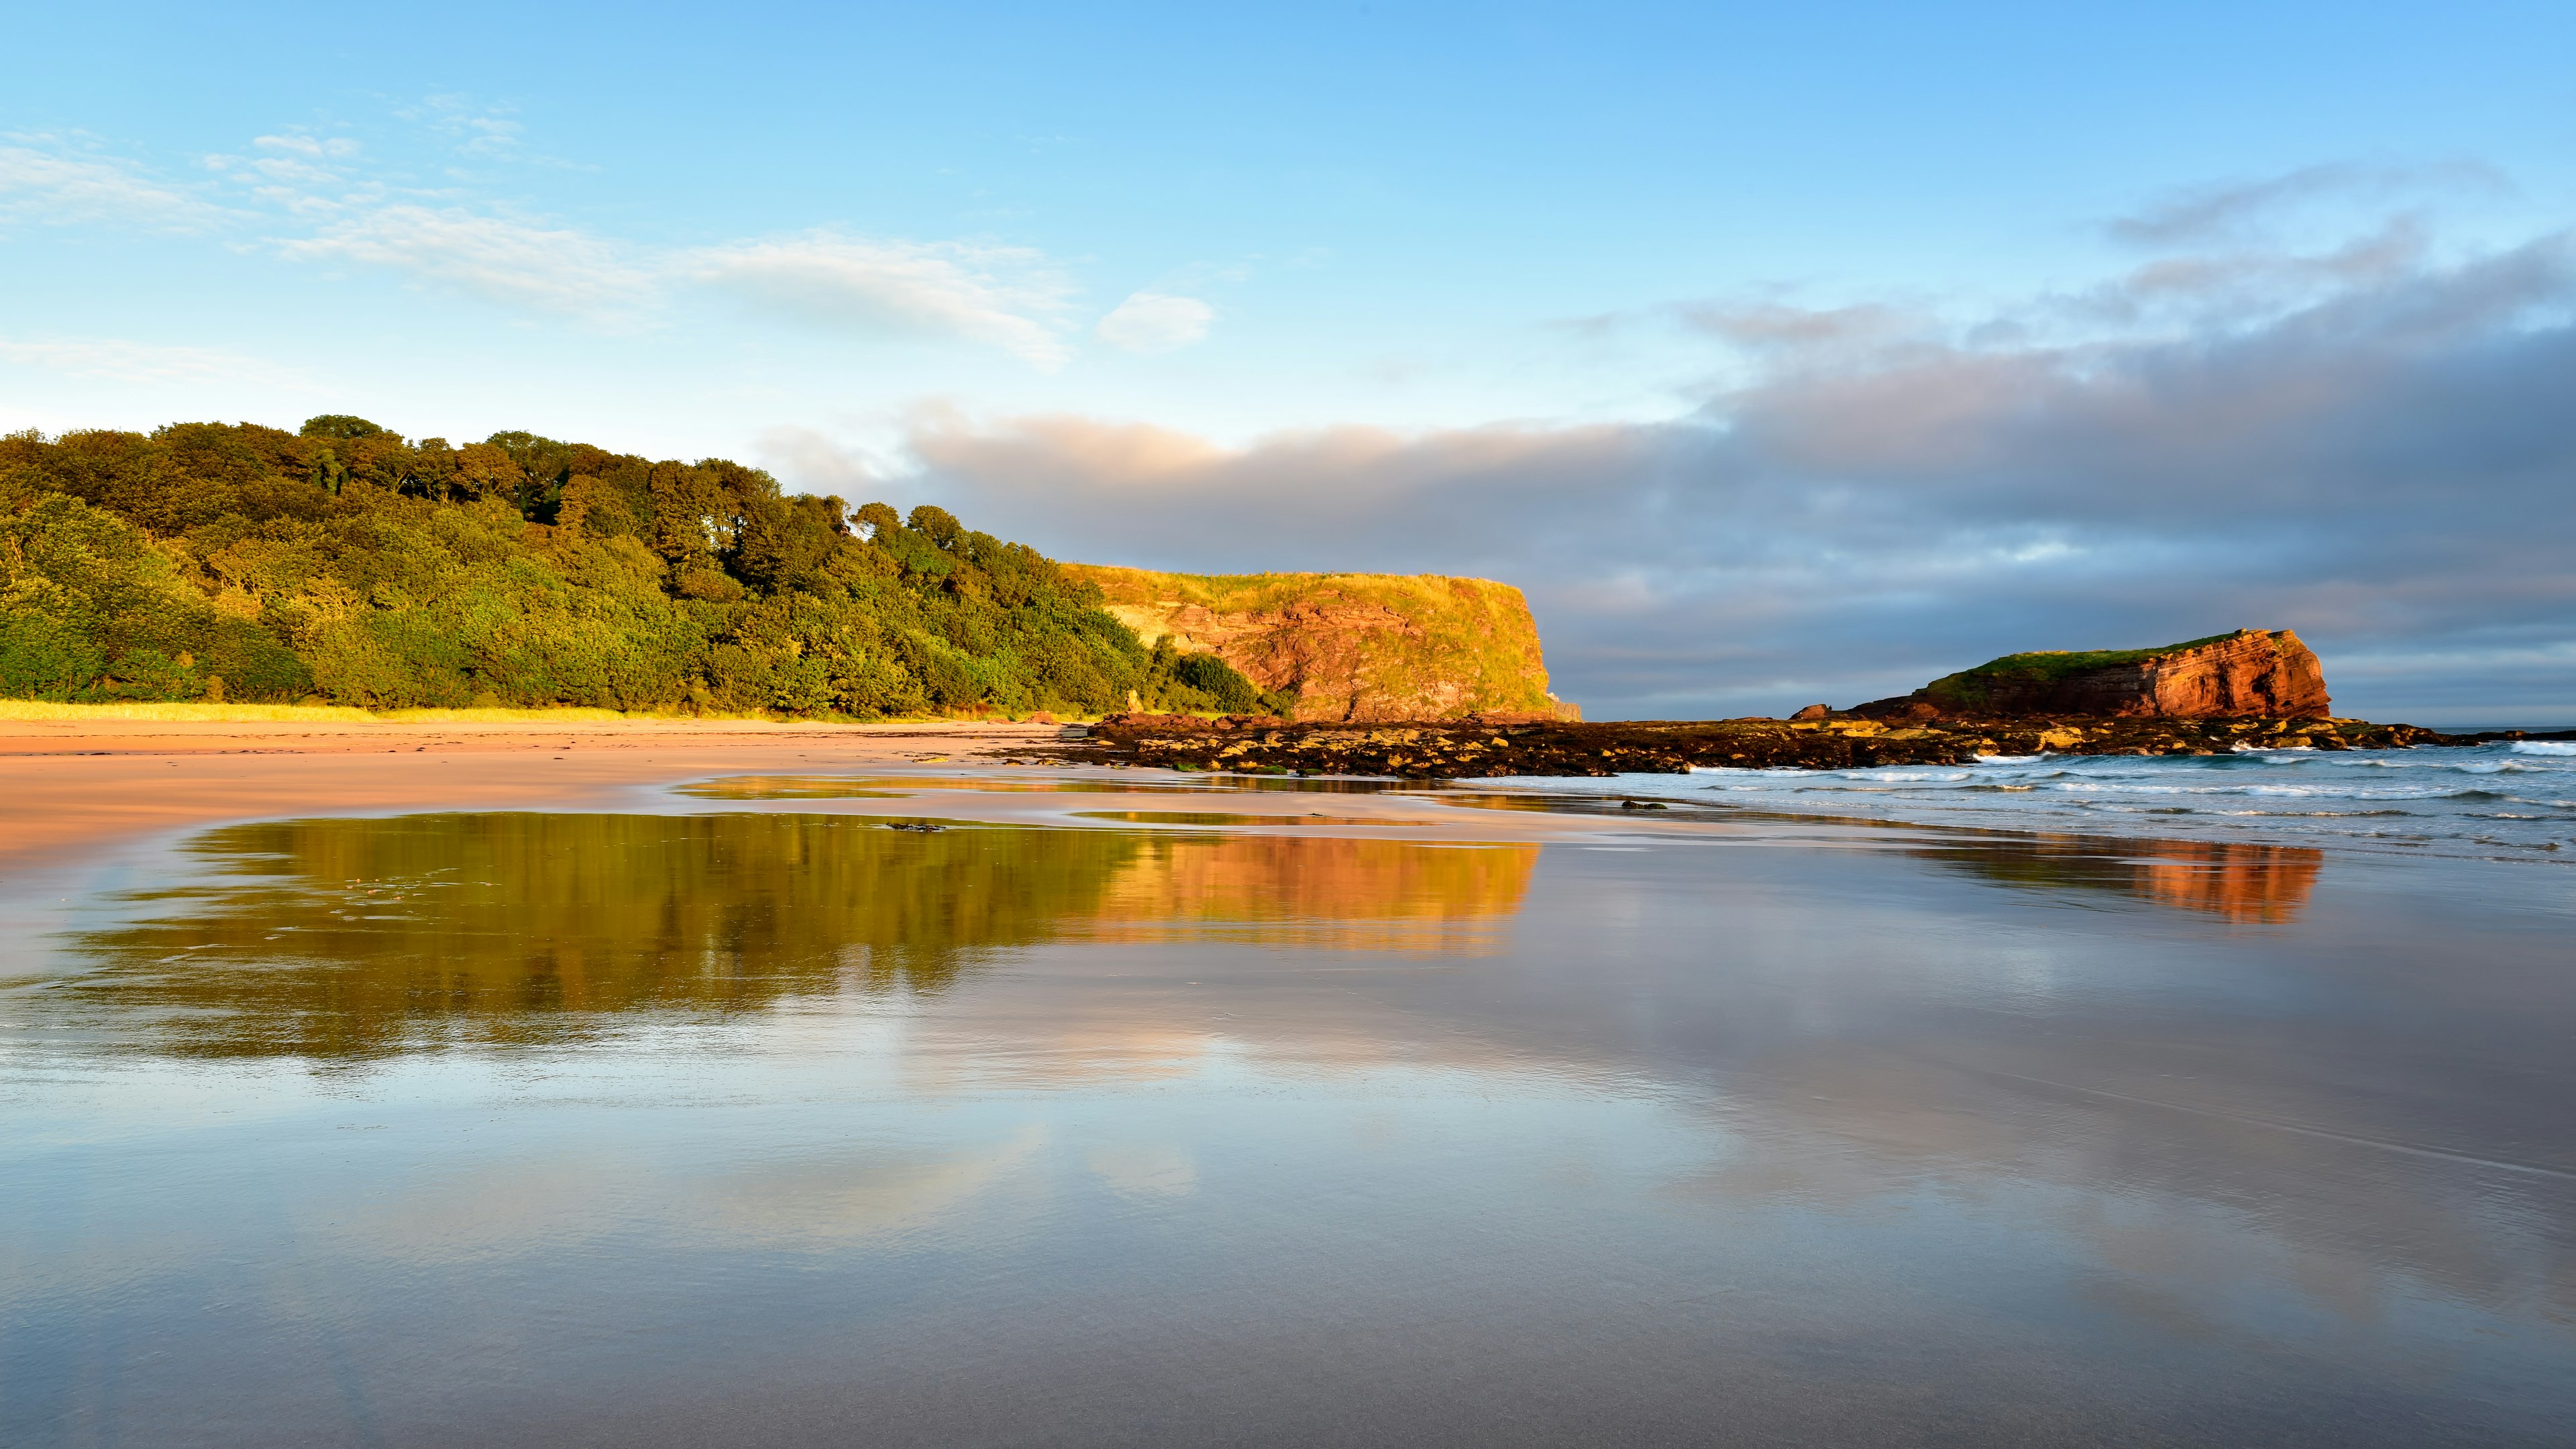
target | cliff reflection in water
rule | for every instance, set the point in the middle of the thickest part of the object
(353, 938)
(2232, 880)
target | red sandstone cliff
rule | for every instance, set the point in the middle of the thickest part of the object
(2256, 672)
(1352, 647)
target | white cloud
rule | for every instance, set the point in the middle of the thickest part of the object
(477, 129)
(1156, 322)
(121, 361)
(303, 145)
(813, 462)
(2383, 467)
(504, 259)
(321, 202)
(1007, 297)
(43, 180)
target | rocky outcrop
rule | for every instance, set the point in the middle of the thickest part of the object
(2251, 673)
(1351, 647)
(1461, 750)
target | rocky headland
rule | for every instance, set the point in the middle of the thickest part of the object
(2245, 674)
(1350, 648)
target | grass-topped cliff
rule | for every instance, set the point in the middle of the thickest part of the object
(1972, 686)
(2243, 672)
(1347, 646)
(345, 564)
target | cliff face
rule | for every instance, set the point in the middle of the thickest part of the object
(1353, 646)
(2252, 672)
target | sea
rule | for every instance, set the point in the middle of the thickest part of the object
(2512, 801)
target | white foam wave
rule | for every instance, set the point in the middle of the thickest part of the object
(2472, 800)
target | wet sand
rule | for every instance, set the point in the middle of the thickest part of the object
(665, 1095)
(70, 788)
(69, 791)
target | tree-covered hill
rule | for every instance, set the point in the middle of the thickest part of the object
(345, 563)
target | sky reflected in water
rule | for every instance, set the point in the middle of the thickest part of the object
(790, 1128)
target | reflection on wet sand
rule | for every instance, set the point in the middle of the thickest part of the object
(1198, 818)
(895, 787)
(867, 787)
(1824, 1136)
(1573, 804)
(349, 937)
(346, 938)
(1357, 895)
(2236, 881)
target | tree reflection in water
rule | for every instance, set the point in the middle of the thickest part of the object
(355, 938)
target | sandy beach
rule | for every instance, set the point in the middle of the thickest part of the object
(71, 790)
(72, 787)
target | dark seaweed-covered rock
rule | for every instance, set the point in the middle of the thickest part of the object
(1457, 750)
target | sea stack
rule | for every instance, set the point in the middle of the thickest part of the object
(2264, 673)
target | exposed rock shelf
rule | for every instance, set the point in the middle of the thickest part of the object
(1473, 749)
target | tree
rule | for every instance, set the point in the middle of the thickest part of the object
(339, 425)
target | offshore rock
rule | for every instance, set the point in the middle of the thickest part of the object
(1353, 648)
(2248, 674)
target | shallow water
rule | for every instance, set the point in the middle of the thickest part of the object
(776, 1126)
(2504, 801)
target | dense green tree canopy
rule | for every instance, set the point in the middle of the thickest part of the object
(346, 563)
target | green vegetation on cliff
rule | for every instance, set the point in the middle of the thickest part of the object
(348, 565)
(1972, 686)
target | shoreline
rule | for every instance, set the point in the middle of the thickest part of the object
(75, 788)
(74, 791)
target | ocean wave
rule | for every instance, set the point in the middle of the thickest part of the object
(2544, 747)
(2480, 800)
(2310, 791)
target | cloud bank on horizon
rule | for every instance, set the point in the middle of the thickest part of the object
(1677, 339)
(2386, 463)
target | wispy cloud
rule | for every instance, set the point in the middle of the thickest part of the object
(509, 260)
(49, 179)
(2226, 211)
(1156, 322)
(1009, 297)
(124, 361)
(300, 144)
(322, 198)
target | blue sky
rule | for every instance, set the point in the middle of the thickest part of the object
(1779, 352)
